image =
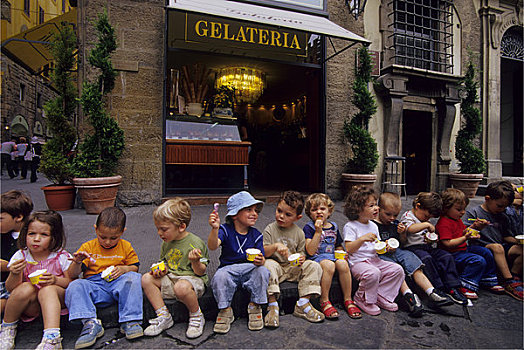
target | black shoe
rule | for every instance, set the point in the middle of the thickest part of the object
(438, 298)
(457, 296)
(415, 306)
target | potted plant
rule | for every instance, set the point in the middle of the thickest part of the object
(364, 155)
(98, 154)
(55, 162)
(224, 101)
(470, 157)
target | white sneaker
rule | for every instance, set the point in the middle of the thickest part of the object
(7, 337)
(196, 326)
(50, 344)
(158, 325)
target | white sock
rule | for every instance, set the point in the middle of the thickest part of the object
(196, 313)
(8, 324)
(85, 320)
(302, 302)
(251, 306)
(274, 303)
(51, 333)
(407, 291)
(163, 312)
(430, 290)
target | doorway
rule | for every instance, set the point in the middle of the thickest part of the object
(416, 147)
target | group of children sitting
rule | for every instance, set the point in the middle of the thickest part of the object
(475, 248)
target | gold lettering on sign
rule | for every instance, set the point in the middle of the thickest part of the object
(224, 31)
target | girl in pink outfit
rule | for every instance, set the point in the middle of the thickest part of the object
(41, 243)
(379, 280)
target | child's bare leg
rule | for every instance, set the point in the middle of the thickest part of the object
(2, 305)
(186, 294)
(515, 253)
(344, 277)
(151, 287)
(500, 260)
(23, 299)
(271, 298)
(404, 287)
(328, 269)
(51, 300)
(421, 280)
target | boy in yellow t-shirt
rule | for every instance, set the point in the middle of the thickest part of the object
(122, 285)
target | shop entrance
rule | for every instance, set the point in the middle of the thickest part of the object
(416, 147)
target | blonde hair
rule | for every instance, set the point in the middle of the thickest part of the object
(430, 201)
(390, 200)
(176, 210)
(316, 199)
(452, 196)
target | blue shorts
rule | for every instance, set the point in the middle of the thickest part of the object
(405, 258)
(325, 256)
(4, 294)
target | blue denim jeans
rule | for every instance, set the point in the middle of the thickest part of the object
(405, 258)
(439, 266)
(476, 266)
(246, 275)
(83, 295)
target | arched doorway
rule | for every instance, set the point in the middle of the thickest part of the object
(19, 126)
(511, 92)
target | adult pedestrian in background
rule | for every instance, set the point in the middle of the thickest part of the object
(21, 150)
(34, 157)
(6, 149)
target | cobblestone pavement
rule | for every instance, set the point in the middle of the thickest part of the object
(495, 321)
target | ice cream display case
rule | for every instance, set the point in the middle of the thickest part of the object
(204, 155)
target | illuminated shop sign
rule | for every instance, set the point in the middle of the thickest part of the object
(228, 32)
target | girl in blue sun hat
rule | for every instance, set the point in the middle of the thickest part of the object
(241, 261)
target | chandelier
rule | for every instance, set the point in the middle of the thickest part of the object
(249, 83)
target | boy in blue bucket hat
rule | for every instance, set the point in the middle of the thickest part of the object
(241, 261)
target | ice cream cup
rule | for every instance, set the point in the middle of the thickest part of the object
(340, 254)
(252, 253)
(293, 259)
(393, 243)
(380, 247)
(35, 276)
(520, 239)
(474, 232)
(160, 266)
(431, 237)
(106, 274)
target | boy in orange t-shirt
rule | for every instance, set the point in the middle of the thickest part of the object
(123, 285)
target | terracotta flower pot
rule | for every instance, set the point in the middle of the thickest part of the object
(467, 183)
(97, 193)
(350, 180)
(59, 197)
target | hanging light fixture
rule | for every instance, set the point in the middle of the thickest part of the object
(249, 83)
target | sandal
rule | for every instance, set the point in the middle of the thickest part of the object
(271, 319)
(328, 310)
(352, 309)
(223, 322)
(255, 322)
(313, 315)
(497, 289)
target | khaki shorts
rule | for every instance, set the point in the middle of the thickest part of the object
(167, 285)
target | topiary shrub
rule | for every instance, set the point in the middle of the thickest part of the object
(470, 157)
(99, 152)
(364, 152)
(55, 162)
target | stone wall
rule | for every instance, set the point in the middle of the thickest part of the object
(136, 101)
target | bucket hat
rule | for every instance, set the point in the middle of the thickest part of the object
(241, 200)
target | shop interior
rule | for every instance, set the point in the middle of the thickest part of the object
(277, 109)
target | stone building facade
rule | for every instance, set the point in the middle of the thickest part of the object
(418, 106)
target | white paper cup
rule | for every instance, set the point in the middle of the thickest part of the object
(431, 237)
(340, 254)
(106, 274)
(380, 247)
(252, 253)
(393, 243)
(160, 266)
(520, 239)
(293, 259)
(35, 276)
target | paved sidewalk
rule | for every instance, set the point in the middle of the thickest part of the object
(495, 321)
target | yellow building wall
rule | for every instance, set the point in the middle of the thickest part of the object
(19, 19)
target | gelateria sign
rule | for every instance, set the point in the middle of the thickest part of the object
(232, 33)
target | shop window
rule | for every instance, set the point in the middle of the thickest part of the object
(422, 34)
(27, 7)
(6, 11)
(41, 16)
(22, 92)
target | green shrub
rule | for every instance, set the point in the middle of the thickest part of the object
(470, 157)
(365, 156)
(102, 147)
(55, 162)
